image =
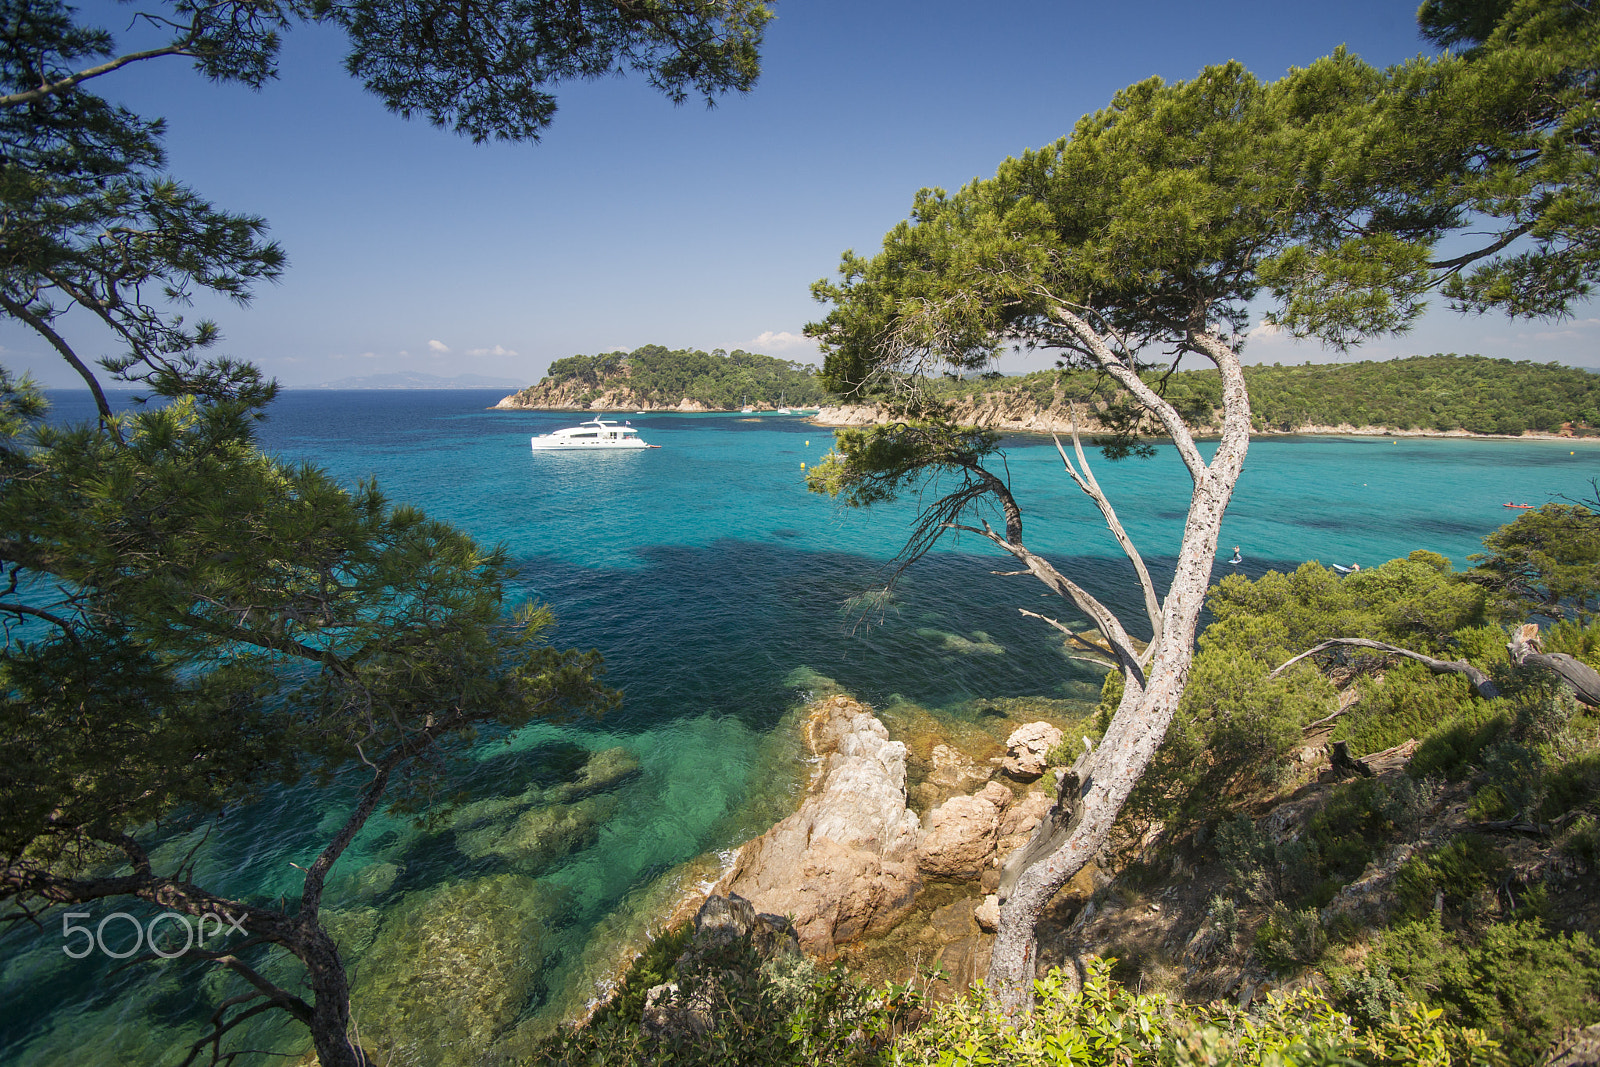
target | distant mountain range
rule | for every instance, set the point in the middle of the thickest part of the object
(411, 380)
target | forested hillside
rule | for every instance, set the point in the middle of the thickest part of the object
(656, 377)
(1438, 392)
(1435, 394)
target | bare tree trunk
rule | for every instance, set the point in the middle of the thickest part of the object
(1082, 817)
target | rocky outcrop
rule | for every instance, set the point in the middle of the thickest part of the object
(575, 395)
(686, 1004)
(1580, 1049)
(1027, 748)
(962, 833)
(843, 865)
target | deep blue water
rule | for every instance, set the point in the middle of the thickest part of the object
(720, 592)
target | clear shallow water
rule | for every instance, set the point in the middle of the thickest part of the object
(718, 590)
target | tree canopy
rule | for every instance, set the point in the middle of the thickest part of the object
(719, 379)
(1546, 562)
(1146, 237)
(188, 620)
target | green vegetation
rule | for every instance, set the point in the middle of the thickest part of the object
(1515, 979)
(717, 379)
(1158, 226)
(1433, 394)
(1474, 921)
(822, 1018)
(1436, 393)
(189, 621)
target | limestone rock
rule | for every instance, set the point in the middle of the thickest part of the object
(962, 833)
(988, 914)
(843, 865)
(1026, 749)
(1580, 1049)
(669, 1010)
(1017, 824)
(722, 920)
(685, 1005)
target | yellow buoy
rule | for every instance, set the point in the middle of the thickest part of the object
(808, 444)
(802, 464)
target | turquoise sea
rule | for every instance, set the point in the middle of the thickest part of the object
(721, 594)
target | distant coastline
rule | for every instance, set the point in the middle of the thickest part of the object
(1443, 396)
(852, 415)
(997, 417)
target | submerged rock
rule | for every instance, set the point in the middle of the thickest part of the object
(604, 771)
(844, 864)
(540, 835)
(951, 773)
(450, 969)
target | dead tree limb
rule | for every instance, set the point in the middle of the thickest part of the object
(1084, 479)
(1526, 650)
(1481, 683)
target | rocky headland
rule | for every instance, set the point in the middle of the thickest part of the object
(613, 395)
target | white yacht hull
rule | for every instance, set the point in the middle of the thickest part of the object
(593, 436)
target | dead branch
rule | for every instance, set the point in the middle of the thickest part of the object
(1481, 682)
(1084, 478)
(1526, 650)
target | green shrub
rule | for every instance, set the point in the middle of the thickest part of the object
(1575, 639)
(1463, 874)
(652, 967)
(1336, 845)
(1106, 1025)
(1520, 983)
(1450, 750)
(783, 1011)
(1581, 841)
(1409, 703)
(1573, 784)
(1289, 940)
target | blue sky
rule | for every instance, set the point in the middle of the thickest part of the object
(636, 222)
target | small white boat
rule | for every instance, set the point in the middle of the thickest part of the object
(595, 434)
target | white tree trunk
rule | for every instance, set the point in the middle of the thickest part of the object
(1080, 821)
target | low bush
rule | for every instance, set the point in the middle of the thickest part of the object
(1516, 981)
(1409, 703)
(1107, 1025)
(1290, 940)
(1461, 876)
(1451, 749)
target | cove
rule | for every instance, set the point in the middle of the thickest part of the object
(721, 594)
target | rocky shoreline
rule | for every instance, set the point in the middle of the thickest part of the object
(863, 878)
(991, 414)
